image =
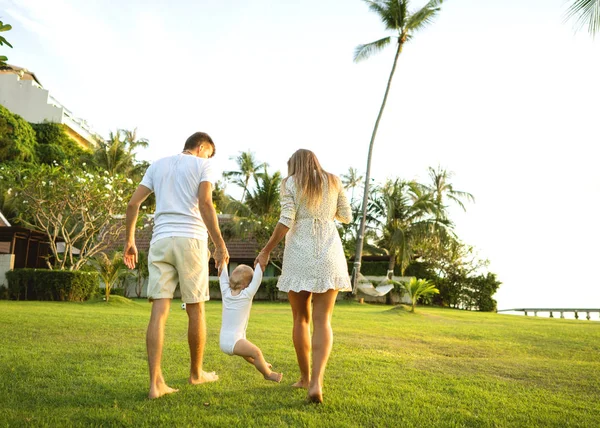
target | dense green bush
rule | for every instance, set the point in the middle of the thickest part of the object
(17, 138)
(54, 144)
(44, 284)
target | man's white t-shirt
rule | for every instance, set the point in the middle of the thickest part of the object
(175, 181)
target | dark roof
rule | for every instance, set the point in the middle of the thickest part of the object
(22, 72)
(7, 234)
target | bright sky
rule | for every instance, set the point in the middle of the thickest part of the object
(502, 93)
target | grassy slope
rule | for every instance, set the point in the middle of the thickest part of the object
(84, 364)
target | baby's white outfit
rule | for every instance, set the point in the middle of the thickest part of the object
(236, 310)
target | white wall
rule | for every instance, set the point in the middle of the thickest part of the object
(25, 98)
(7, 262)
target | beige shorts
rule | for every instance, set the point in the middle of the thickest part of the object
(182, 261)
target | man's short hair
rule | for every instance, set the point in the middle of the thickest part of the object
(196, 139)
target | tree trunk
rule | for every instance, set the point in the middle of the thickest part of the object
(361, 229)
(390, 275)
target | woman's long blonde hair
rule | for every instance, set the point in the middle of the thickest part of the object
(309, 177)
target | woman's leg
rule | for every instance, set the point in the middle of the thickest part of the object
(301, 334)
(322, 341)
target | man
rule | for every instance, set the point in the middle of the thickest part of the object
(178, 251)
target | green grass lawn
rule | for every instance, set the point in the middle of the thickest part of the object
(69, 364)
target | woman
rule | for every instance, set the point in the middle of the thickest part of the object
(314, 265)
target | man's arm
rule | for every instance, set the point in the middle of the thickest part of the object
(130, 254)
(209, 216)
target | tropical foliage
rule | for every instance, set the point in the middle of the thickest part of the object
(117, 154)
(4, 27)
(248, 167)
(110, 270)
(585, 13)
(418, 288)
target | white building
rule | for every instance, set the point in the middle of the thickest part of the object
(22, 93)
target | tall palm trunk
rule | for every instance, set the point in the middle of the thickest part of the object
(361, 229)
(390, 275)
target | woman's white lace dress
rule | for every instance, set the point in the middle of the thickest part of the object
(313, 259)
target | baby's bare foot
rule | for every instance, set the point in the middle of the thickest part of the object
(204, 377)
(275, 377)
(159, 390)
(301, 384)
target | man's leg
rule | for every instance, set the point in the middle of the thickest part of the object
(154, 345)
(197, 340)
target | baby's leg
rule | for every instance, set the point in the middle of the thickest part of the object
(251, 361)
(248, 350)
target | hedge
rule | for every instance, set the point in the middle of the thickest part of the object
(374, 268)
(45, 284)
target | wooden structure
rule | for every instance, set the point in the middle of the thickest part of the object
(31, 248)
(561, 311)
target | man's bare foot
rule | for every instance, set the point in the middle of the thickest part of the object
(301, 384)
(204, 377)
(159, 390)
(315, 395)
(275, 377)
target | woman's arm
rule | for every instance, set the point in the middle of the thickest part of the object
(263, 257)
(344, 211)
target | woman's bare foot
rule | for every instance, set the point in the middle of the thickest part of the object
(159, 390)
(301, 384)
(315, 395)
(204, 377)
(275, 377)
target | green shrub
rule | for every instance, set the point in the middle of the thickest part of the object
(270, 286)
(17, 138)
(44, 284)
(54, 144)
(213, 284)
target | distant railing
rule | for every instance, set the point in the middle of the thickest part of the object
(552, 310)
(79, 122)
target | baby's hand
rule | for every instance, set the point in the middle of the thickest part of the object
(221, 267)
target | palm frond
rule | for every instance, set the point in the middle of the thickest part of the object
(585, 12)
(363, 52)
(424, 16)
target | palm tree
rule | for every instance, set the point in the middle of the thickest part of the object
(351, 181)
(117, 154)
(441, 189)
(396, 18)
(405, 216)
(111, 270)
(585, 12)
(264, 200)
(248, 167)
(416, 288)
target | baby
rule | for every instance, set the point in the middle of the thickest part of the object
(237, 293)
